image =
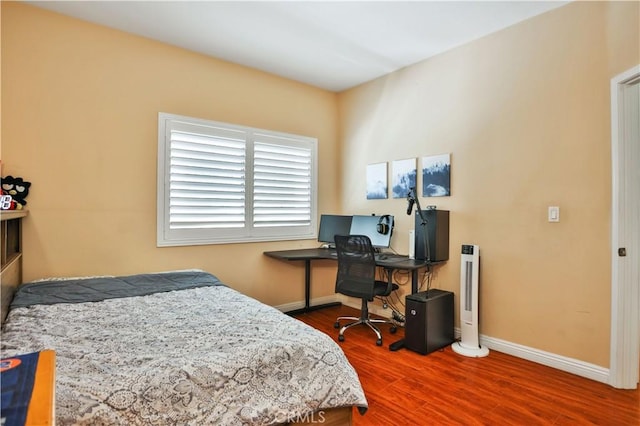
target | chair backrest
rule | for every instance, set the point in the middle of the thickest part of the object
(356, 266)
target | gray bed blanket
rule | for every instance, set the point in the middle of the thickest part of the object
(207, 355)
(103, 288)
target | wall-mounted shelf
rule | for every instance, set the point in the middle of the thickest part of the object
(12, 214)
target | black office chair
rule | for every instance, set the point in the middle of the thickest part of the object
(357, 278)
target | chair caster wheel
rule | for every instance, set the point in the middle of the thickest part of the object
(393, 329)
(379, 342)
(341, 338)
(336, 325)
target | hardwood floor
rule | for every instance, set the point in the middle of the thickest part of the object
(444, 388)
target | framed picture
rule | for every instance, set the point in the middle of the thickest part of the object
(377, 187)
(404, 177)
(436, 176)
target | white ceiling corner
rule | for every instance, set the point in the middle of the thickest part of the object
(334, 45)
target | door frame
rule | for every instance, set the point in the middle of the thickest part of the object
(625, 294)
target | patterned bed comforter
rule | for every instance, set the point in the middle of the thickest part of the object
(199, 356)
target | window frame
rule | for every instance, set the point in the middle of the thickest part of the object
(167, 237)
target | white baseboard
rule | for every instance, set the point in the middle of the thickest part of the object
(347, 301)
(563, 363)
(316, 301)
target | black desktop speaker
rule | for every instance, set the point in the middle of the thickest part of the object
(428, 321)
(437, 233)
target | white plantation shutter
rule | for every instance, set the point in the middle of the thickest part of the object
(206, 178)
(220, 183)
(281, 183)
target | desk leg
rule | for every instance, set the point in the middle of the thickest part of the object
(307, 294)
(399, 344)
(414, 281)
(307, 283)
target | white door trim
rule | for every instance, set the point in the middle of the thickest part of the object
(625, 300)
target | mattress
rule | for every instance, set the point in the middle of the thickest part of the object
(179, 348)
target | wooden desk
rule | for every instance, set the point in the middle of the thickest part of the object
(307, 255)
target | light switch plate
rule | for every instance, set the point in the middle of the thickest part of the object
(554, 214)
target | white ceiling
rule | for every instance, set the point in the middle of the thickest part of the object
(333, 45)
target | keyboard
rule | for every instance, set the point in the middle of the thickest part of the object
(390, 257)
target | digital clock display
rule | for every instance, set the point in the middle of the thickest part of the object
(5, 202)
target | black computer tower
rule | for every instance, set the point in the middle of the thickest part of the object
(428, 321)
(437, 231)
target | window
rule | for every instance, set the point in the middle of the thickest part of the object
(222, 183)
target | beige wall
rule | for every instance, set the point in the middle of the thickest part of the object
(525, 114)
(80, 108)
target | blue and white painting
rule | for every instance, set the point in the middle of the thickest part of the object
(377, 181)
(404, 177)
(436, 176)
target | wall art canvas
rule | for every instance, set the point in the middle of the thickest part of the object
(436, 176)
(377, 186)
(404, 177)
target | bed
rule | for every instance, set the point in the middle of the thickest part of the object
(178, 348)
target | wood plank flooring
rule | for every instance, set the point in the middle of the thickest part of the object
(444, 388)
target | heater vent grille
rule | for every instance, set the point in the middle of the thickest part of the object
(468, 286)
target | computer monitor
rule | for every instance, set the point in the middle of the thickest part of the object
(373, 227)
(332, 225)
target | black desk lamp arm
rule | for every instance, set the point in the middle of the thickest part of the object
(414, 198)
(412, 194)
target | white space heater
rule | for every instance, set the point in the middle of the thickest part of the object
(469, 344)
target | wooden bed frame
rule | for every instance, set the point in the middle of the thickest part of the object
(11, 241)
(342, 416)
